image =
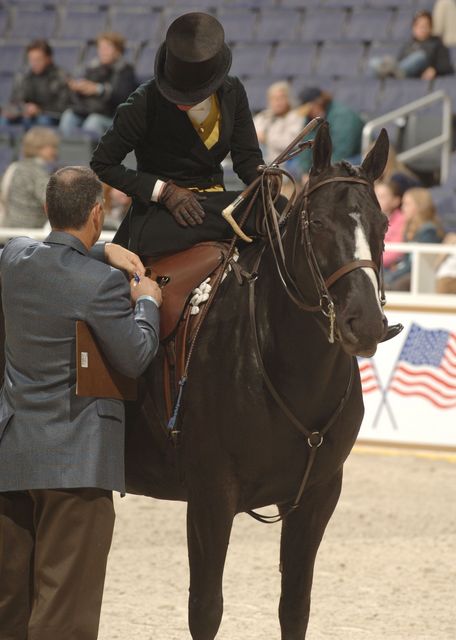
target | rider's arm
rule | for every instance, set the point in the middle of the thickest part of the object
(245, 151)
(127, 132)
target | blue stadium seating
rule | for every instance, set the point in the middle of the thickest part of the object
(323, 25)
(6, 84)
(145, 62)
(362, 94)
(84, 23)
(32, 23)
(340, 59)
(380, 49)
(67, 56)
(447, 84)
(250, 59)
(401, 27)
(138, 25)
(369, 24)
(293, 59)
(239, 24)
(256, 88)
(397, 93)
(3, 22)
(277, 25)
(11, 58)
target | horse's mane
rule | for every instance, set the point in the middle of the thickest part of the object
(352, 171)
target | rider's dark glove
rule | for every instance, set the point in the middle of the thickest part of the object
(183, 204)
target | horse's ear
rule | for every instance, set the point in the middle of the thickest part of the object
(322, 149)
(375, 162)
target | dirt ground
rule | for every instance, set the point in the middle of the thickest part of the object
(386, 569)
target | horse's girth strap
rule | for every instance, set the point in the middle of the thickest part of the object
(347, 268)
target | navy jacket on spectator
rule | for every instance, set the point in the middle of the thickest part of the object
(437, 54)
(48, 90)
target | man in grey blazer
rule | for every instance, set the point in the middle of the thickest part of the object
(61, 455)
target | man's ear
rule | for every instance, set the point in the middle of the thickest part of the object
(97, 215)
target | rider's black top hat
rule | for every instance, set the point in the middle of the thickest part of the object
(194, 59)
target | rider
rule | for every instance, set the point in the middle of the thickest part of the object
(181, 125)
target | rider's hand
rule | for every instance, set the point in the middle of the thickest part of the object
(183, 204)
(274, 179)
(145, 287)
(123, 259)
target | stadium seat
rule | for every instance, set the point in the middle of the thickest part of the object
(380, 49)
(369, 24)
(389, 4)
(340, 59)
(6, 84)
(256, 88)
(293, 60)
(247, 4)
(32, 23)
(250, 58)
(322, 25)
(397, 93)
(145, 62)
(6, 154)
(361, 94)
(11, 58)
(401, 25)
(421, 127)
(137, 25)
(76, 150)
(444, 199)
(87, 24)
(447, 84)
(171, 12)
(277, 25)
(299, 4)
(3, 22)
(67, 56)
(239, 24)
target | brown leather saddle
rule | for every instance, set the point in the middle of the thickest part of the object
(178, 275)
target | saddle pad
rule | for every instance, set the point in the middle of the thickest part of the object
(185, 271)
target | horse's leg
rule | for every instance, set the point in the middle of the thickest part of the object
(210, 516)
(302, 532)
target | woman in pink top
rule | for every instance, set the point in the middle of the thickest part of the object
(389, 198)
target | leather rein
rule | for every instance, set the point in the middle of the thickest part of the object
(325, 305)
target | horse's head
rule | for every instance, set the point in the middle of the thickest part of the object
(343, 229)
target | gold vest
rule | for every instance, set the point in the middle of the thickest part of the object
(209, 131)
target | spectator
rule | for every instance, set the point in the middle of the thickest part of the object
(40, 94)
(389, 197)
(445, 279)
(422, 225)
(277, 125)
(345, 125)
(444, 21)
(108, 81)
(23, 188)
(424, 56)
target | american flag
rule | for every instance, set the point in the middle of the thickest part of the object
(427, 367)
(369, 378)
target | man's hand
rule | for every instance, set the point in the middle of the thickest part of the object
(429, 74)
(145, 287)
(123, 259)
(183, 204)
(84, 87)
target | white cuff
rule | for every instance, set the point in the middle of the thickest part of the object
(145, 297)
(157, 190)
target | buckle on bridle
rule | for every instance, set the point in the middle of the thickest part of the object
(315, 439)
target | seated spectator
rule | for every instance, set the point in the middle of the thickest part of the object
(445, 279)
(23, 188)
(424, 56)
(40, 94)
(389, 197)
(108, 80)
(444, 21)
(421, 225)
(345, 125)
(277, 125)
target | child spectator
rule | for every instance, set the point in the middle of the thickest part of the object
(389, 197)
(421, 225)
(23, 188)
(424, 56)
(107, 81)
(40, 94)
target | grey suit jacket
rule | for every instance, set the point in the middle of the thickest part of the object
(49, 437)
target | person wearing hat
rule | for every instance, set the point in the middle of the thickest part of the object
(181, 125)
(345, 126)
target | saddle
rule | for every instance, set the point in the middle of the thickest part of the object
(179, 275)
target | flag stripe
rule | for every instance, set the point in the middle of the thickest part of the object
(426, 375)
(423, 394)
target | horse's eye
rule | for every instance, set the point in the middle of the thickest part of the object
(316, 224)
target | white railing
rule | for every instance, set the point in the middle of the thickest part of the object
(443, 141)
(6, 233)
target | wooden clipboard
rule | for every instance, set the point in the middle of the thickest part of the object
(95, 377)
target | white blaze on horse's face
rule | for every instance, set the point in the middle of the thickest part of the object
(363, 252)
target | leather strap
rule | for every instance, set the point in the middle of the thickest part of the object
(347, 268)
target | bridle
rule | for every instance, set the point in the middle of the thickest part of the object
(322, 285)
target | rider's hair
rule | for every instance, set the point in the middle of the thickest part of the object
(71, 194)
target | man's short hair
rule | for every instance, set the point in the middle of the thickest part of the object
(40, 45)
(71, 194)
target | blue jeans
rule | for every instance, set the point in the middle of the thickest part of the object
(42, 120)
(412, 66)
(71, 122)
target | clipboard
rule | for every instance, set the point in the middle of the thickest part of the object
(95, 377)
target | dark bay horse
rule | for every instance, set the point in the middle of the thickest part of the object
(265, 366)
